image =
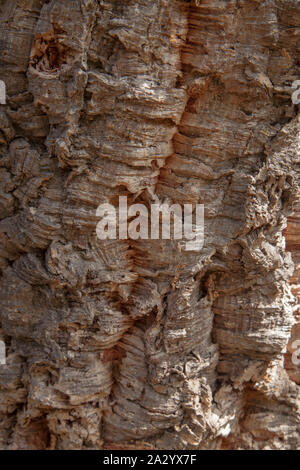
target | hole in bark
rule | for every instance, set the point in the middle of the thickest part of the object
(48, 54)
(203, 287)
(35, 436)
(113, 354)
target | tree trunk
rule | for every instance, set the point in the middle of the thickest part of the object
(140, 343)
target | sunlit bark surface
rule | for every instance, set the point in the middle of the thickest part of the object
(141, 344)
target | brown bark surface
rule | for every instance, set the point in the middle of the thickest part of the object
(140, 344)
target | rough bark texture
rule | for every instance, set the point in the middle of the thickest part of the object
(140, 344)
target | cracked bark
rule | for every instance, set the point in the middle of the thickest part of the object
(139, 344)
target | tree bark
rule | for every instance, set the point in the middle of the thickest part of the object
(141, 344)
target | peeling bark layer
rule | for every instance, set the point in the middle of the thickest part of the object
(140, 344)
